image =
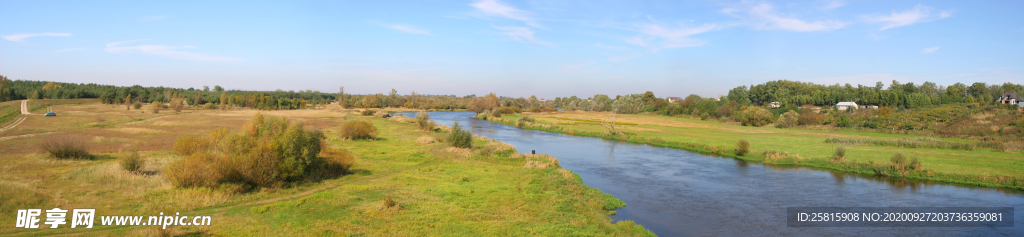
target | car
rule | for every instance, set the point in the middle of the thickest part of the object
(50, 114)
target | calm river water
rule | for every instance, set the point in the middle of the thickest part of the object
(678, 193)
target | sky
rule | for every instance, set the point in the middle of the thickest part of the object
(512, 48)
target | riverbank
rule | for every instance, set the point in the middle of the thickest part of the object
(402, 184)
(800, 147)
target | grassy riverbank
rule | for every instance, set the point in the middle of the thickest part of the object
(402, 184)
(804, 147)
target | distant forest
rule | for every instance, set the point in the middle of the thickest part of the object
(791, 94)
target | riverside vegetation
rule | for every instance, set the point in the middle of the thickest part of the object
(408, 180)
(883, 154)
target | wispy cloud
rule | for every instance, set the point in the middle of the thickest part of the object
(918, 14)
(166, 51)
(930, 50)
(575, 67)
(763, 16)
(833, 4)
(22, 36)
(625, 57)
(599, 45)
(496, 8)
(153, 18)
(66, 50)
(408, 29)
(669, 38)
(521, 34)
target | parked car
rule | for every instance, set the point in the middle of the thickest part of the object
(50, 114)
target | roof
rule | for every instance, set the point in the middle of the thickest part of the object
(675, 98)
(846, 104)
(1011, 95)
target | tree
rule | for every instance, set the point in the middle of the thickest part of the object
(223, 100)
(206, 88)
(756, 116)
(341, 97)
(218, 88)
(788, 120)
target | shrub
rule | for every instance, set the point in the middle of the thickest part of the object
(265, 152)
(742, 147)
(756, 116)
(507, 110)
(208, 106)
(177, 105)
(155, 107)
(844, 121)
(336, 162)
(839, 155)
(423, 119)
(367, 112)
(137, 105)
(459, 136)
(132, 162)
(66, 146)
(358, 130)
(899, 160)
(787, 120)
(496, 113)
(809, 117)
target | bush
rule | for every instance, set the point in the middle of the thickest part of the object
(506, 110)
(367, 112)
(496, 113)
(155, 107)
(899, 159)
(208, 106)
(839, 155)
(267, 151)
(358, 130)
(742, 147)
(132, 162)
(809, 117)
(177, 105)
(460, 137)
(423, 119)
(756, 116)
(844, 121)
(336, 162)
(137, 105)
(66, 146)
(788, 120)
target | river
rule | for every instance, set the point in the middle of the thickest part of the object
(679, 193)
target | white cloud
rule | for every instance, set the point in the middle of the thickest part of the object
(637, 41)
(409, 29)
(673, 37)
(763, 16)
(599, 45)
(831, 5)
(494, 7)
(521, 34)
(930, 50)
(919, 13)
(67, 50)
(166, 51)
(21, 37)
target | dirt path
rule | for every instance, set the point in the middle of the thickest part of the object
(25, 107)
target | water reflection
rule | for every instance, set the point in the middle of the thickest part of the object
(678, 193)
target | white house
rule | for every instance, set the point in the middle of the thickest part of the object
(1008, 97)
(674, 99)
(844, 105)
(774, 104)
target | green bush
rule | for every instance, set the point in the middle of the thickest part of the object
(899, 159)
(132, 162)
(742, 147)
(506, 110)
(788, 120)
(367, 112)
(266, 152)
(358, 130)
(756, 116)
(208, 106)
(459, 136)
(844, 121)
(66, 146)
(839, 155)
(137, 105)
(423, 119)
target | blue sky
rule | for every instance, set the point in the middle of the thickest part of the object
(512, 48)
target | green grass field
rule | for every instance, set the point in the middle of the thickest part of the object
(807, 145)
(433, 190)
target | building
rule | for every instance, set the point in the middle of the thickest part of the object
(869, 107)
(674, 99)
(1009, 97)
(775, 104)
(844, 105)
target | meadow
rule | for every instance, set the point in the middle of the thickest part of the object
(943, 159)
(403, 182)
